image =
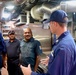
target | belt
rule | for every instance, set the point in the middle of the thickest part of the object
(14, 58)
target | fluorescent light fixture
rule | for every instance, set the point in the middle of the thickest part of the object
(10, 7)
(6, 15)
(74, 13)
(73, 3)
(0, 2)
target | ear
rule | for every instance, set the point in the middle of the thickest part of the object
(56, 24)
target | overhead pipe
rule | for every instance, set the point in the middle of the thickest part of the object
(45, 8)
(28, 3)
(38, 12)
(68, 6)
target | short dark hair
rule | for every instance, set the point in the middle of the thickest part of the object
(62, 24)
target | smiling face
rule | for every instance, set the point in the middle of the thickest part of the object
(11, 36)
(27, 34)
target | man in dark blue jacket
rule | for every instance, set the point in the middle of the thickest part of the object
(62, 60)
(2, 52)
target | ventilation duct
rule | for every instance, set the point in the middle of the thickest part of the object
(37, 12)
(21, 20)
(46, 8)
(68, 6)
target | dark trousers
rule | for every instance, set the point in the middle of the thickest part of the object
(0, 72)
(13, 68)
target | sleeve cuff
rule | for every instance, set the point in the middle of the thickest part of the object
(33, 73)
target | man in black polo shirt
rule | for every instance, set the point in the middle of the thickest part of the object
(13, 54)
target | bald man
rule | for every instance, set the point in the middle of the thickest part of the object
(30, 50)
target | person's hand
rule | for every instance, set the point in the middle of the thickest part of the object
(45, 61)
(26, 70)
(4, 64)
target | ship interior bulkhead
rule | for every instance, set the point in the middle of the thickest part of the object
(19, 14)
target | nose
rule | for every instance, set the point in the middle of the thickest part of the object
(27, 33)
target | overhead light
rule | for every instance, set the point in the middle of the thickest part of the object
(74, 13)
(5, 15)
(73, 3)
(10, 7)
(0, 3)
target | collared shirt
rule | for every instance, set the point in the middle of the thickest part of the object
(13, 48)
(29, 51)
(63, 60)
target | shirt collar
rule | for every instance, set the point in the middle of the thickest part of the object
(62, 36)
(13, 40)
(32, 39)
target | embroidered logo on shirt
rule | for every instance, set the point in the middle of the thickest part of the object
(40, 47)
(52, 53)
(57, 41)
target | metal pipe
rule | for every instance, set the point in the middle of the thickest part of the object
(68, 6)
(38, 11)
(46, 9)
